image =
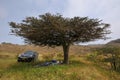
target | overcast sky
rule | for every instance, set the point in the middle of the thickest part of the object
(17, 10)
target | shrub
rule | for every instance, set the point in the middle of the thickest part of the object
(113, 55)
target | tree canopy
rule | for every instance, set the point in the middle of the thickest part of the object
(56, 30)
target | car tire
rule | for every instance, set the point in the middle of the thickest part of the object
(29, 60)
(18, 60)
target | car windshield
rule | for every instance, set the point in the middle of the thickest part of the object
(28, 53)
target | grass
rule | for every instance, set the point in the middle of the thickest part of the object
(78, 69)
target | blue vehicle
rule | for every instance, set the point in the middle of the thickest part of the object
(28, 56)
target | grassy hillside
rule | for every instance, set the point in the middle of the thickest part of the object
(114, 42)
(81, 66)
(46, 52)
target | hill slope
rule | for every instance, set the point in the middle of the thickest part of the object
(17, 49)
(114, 42)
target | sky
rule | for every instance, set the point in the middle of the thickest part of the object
(17, 10)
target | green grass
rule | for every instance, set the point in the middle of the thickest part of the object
(79, 69)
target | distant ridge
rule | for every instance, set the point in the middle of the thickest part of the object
(114, 42)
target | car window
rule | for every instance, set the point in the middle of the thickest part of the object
(28, 53)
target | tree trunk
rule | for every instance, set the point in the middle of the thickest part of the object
(66, 53)
(114, 62)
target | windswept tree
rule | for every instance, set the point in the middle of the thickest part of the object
(55, 30)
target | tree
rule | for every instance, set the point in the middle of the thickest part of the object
(55, 30)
